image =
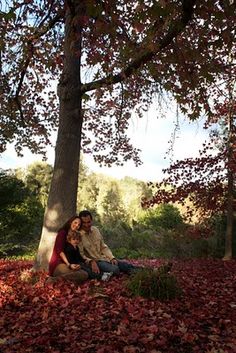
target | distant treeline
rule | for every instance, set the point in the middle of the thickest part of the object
(129, 229)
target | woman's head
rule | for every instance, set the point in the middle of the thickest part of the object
(73, 223)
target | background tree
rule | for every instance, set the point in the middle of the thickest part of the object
(127, 43)
(37, 177)
(88, 191)
(231, 172)
(148, 233)
(208, 182)
(132, 193)
(164, 216)
(21, 216)
(109, 203)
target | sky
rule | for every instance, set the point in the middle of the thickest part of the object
(150, 134)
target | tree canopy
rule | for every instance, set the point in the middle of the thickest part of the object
(136, 44)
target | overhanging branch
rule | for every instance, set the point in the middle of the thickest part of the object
(177, 27)
(39, 32)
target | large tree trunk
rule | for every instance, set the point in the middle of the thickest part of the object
(62, 200)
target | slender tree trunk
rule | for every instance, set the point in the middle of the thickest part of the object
(230, 216)
(62, 201)
(230, 198)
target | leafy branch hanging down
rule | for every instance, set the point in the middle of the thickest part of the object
(203, 180)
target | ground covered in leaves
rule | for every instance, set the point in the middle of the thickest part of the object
(102, 317)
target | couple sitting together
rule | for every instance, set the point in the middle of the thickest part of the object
(80, 253)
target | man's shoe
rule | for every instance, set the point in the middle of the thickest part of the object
(106, 276)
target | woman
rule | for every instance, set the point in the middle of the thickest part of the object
(58, 268)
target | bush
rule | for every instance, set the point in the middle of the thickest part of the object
(13, 250)
(185, 247)
(126, 253)
(117, 235)
(21, 216)
(154, 283)
(143, 239)
(164, 216)
(121, 253)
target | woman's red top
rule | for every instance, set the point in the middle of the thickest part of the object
(59, 246)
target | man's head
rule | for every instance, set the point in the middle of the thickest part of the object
(86, 220)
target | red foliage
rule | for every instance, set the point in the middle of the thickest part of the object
(102, 317)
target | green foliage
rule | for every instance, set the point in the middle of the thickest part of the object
(218, 224)
(142, 253)
(129, 231)
(183, 247)
(37, 178)
(20, 217)
(109, 203)
(88, 190)
(165, 216)
(143, 243)
(129, 243)
(153, 283)
(132, 192)
(122, 253)
(144, 239)
(111, 199)
(117, 235)
(12, 191)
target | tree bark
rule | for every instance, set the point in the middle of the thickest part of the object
(63, 191)
(230, 197)
(230, 216)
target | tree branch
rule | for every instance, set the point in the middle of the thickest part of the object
(39, 32)
(177, 27)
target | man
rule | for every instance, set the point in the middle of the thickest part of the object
(96, 252)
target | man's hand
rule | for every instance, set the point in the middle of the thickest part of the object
(114, 261)
(94, 266)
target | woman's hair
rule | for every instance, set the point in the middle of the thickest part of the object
(67, 225)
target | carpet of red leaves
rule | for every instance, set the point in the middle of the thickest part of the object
(102, 317)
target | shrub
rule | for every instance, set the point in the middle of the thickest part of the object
(21, 216)
(154, 283)
(145, 239)
(164, 216)
(13, 250)
(121, 253)
(117, 235)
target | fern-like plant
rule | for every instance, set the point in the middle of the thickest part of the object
(154, 283)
